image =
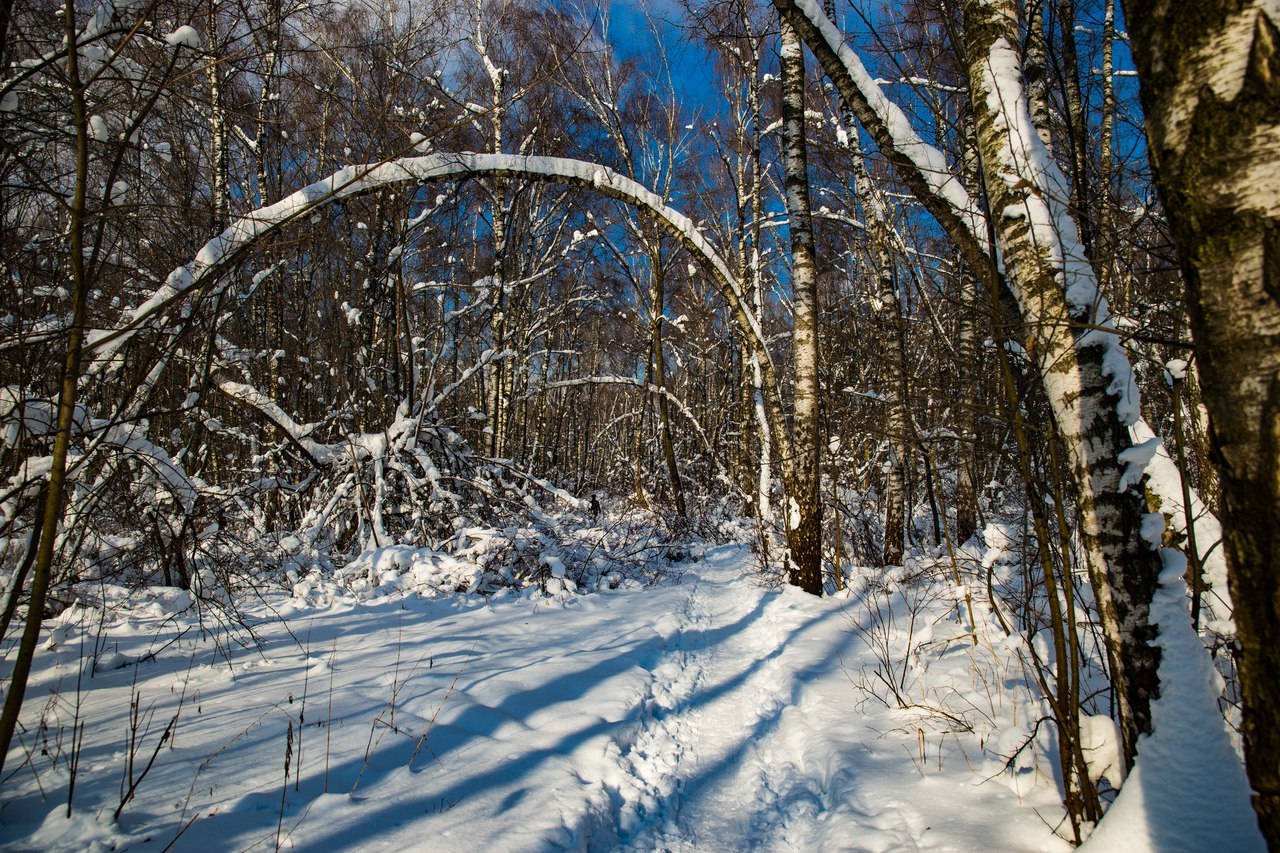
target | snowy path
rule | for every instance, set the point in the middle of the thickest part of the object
(712, 714)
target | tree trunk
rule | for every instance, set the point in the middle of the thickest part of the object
(888, 324)
(804, 500)
(657, 306)
(268, 117)
(1036, 68)
(495, 372)
(51, 513)
(217, 125)
(967, 417)
(1106, 256)
(1057, 291)
(1210, 75)
(754, 288)
(1077, 125)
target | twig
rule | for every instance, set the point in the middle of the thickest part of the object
(443, 701)
(284, 789)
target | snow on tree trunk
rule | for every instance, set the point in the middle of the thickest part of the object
(804, 504)
(1085, 376)
(1086, 373)
(1210, 74)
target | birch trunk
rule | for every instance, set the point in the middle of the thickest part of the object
(752, 282)
(1088, 385)
(888, 311)
(1106, 257)
(217, 124)
(495, 378)
(804, 500)
(1210, 75)
(268, 118)
(1036, 69)
(966, 446)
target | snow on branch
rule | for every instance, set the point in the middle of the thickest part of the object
(317, 454)
(21, 415)
(219, 254)
(921, 166)
(486, 358)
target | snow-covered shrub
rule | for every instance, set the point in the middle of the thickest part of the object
(561, 553)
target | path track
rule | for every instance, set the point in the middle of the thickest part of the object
(712, 714)
(713, 764)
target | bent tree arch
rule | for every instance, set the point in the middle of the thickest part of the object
(217, 257)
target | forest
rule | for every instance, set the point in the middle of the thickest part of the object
(876, 377)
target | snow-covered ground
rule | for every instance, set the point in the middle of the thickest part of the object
(709, 712)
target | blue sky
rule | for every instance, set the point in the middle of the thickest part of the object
(631, 35)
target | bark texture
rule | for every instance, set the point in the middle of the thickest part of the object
(1210, 76)
(1058, 298)
(804, 510)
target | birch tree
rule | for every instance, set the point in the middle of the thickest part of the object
(1091, 391)
(1084, 372)
(804, 507)
(1210, 76)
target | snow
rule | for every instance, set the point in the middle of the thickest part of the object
(184, 36)
(1164, 480)
(98, 129)
(1103, 749)
(706, 713)
(1188, 790)
(354, 180)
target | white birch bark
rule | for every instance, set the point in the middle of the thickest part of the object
(1085, 375)
(1210, 74)
(804, 509)
(217, 123)
(495, 376)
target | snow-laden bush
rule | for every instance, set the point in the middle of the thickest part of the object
(558, 554)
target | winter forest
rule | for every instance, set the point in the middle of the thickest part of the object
(668, 425)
